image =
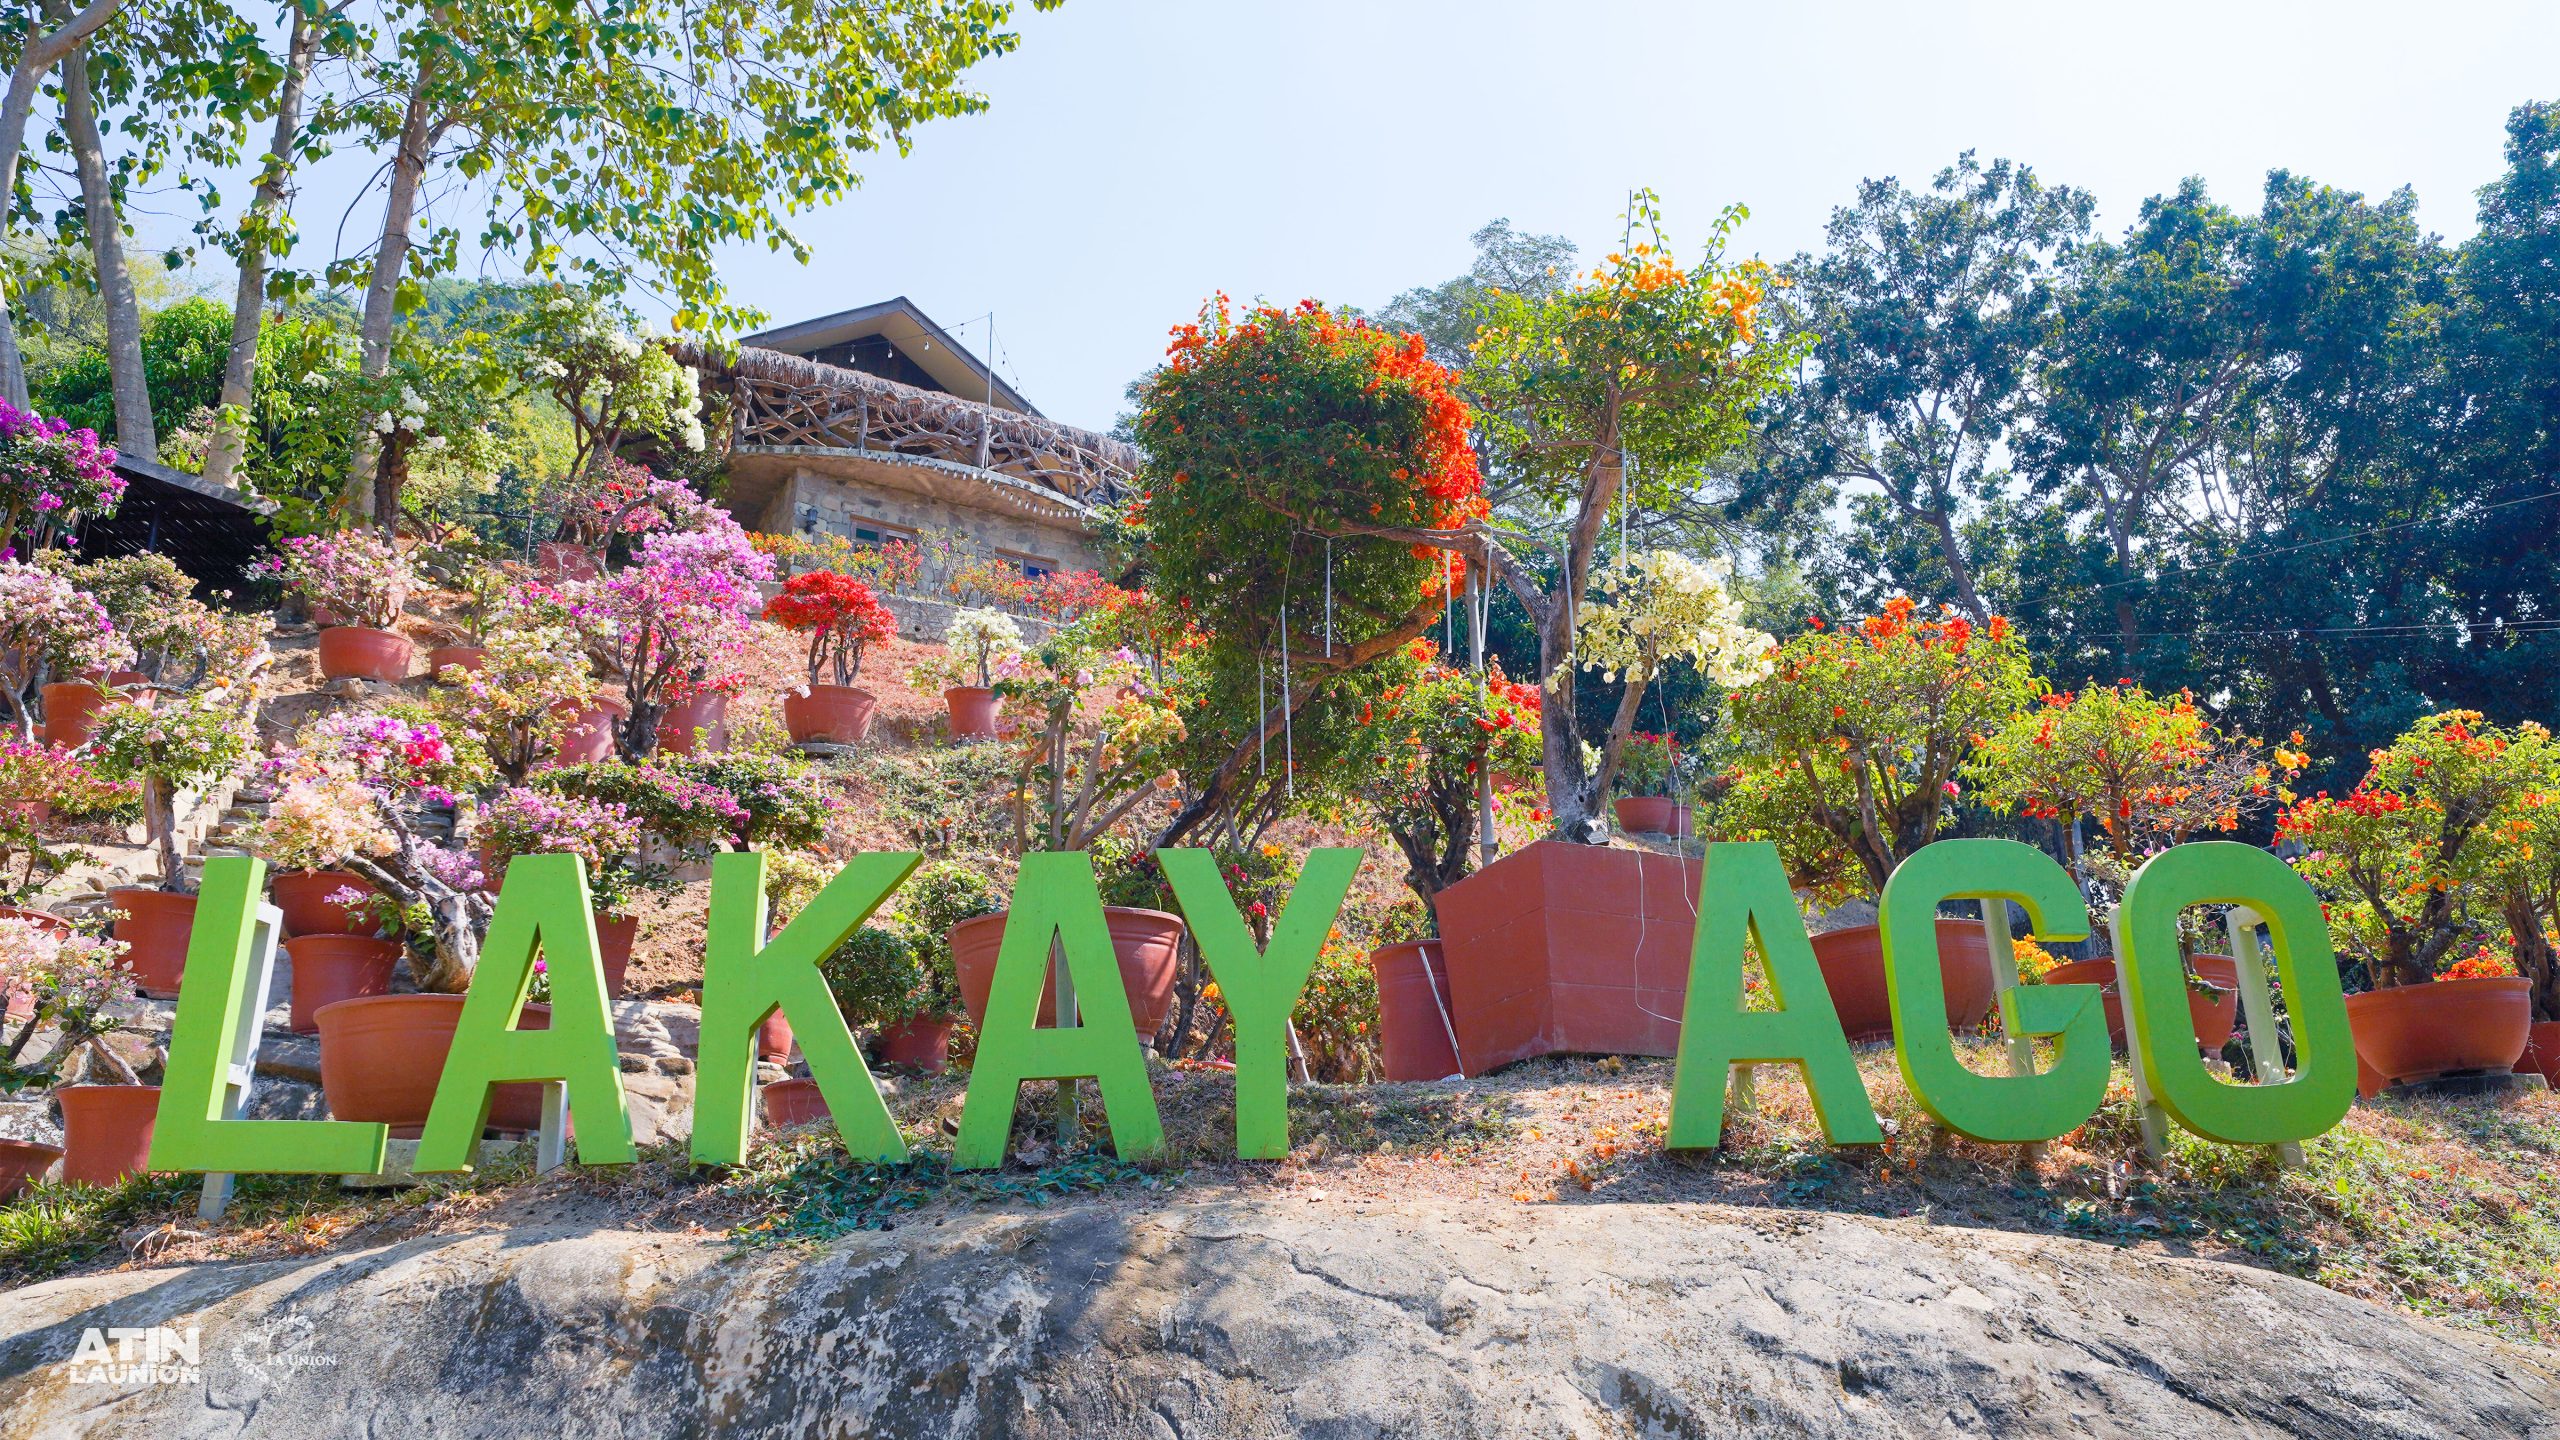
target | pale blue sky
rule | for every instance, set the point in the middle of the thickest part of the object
(1142, 153)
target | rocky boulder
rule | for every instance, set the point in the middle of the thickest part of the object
(1264, 1317)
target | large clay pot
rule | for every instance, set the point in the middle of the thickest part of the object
(106, 1131)
(614, 937)
(700, 723)
(155, 926)
(829, 714)
(794, 1102)
(774, 1038)
(303, 896)
(2418, 1032)
(1654, 815)
(71, 710)
(1148, 944)
(558, 560)
(1852, 963)
(22, 1161)
(472, 659)
(1416, 1031)
(588, 737)
(919, 1042)
(2542, 1052)
(381, 1056)
(973, 712)
(2214, 1014)
(359, 652)
(331, 968)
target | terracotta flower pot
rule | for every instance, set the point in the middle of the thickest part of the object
(1416, 1028)
(588, 737)
(919, 1042)
(71, 711)
(106, 1131)
(774, 1038)
(154, 927)
(471, 658)
(2213, 1015)
(2542, 1052)
(359, 652)
(1654, 815)
(1852, 963)
(614, 937)
(558, 560)
(829, 714)
(381, 1056)
(331, 968)
(973, 712)
(2418, 1032)
(303, 896)
(1146, 942)
(700, 723)
(22, 1161)
(794, 1102)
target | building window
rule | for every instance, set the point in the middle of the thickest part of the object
(1033, 567)
(871, 534)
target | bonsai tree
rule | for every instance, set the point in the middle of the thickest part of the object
(977, 643)
(612, 379)
(604, 835)
(840, 616)
(1847, 753)
(878, 976)
(42, 791)
(77, 980)
(1659, 607)
(534, 678)
(182, 744)
(1652, 765)
(2525, 858)
(2151, 770)
(48, 627)
(668, 804)
(357, 577)
(611, 497)
(1423, 744)
(1081, 774)
(1294, 455)
(50, 476)
(152, 604)
(676, 623)
(2398, 857)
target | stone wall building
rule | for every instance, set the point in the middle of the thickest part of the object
(875, 425)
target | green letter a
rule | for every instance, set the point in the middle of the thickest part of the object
(1743, 895)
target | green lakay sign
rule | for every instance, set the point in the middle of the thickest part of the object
(1744, 905)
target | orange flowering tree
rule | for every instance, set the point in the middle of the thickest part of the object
(1847, 754)
(2400, 859)
(2524, 859)
(1644, 356)
(1282, 443)
(2150, 770)
(1421, 745)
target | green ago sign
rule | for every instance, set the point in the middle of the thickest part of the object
(1744, 906)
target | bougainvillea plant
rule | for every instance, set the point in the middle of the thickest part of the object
(1102, 743)
(2393, 857)
(1423, 744)
(354, 577)
(1658, 607)
(77, 981)
(978, 647)
(603, 835)
(185, 743)
(840, 616)
(2150, 770)
(615, 498)
(1847, 754)
(43, 791)
(46, 626)
(1293, 455)
(50, 475)
(534, 677)
(676, 623)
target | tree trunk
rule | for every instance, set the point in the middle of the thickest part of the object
(1943, 522)
(248, 302)
(2534, 958)
(136, 435)
(390, 260)
(41, 54)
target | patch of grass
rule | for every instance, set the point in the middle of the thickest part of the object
(49, 1228)
(807, 1190)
